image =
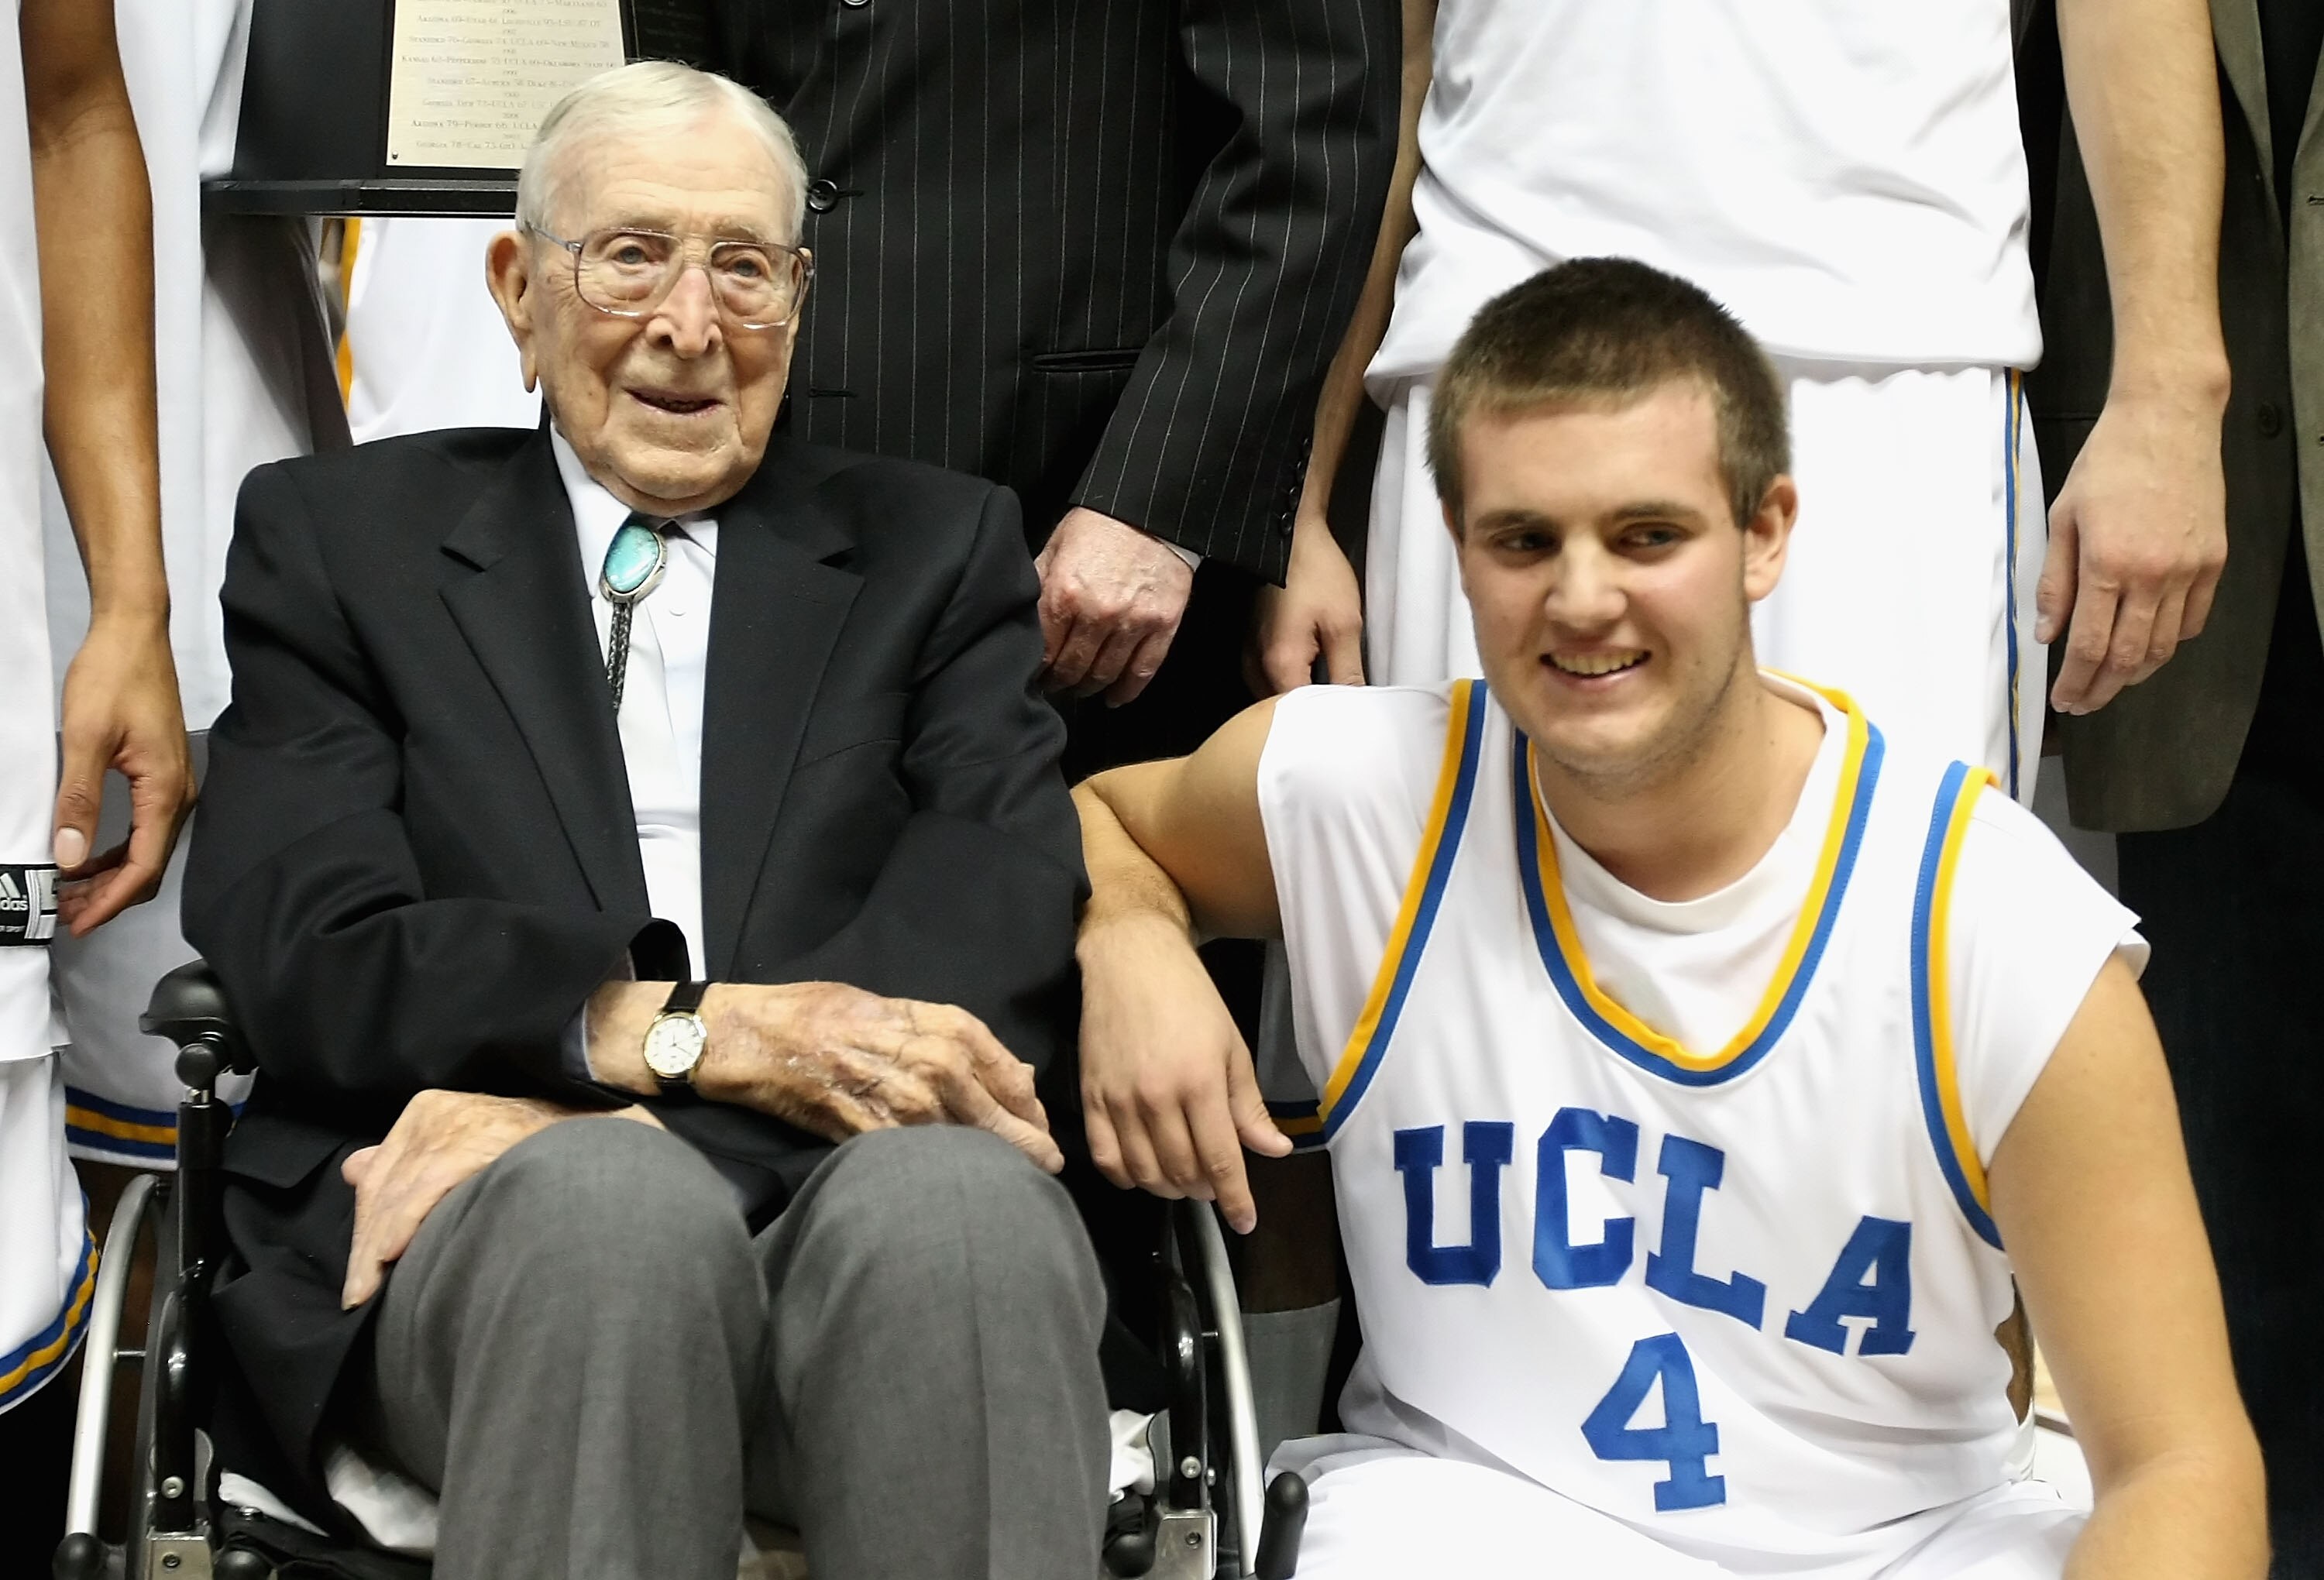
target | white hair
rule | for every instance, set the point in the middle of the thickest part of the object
(651, 95)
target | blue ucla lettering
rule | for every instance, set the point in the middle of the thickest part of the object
(1873, 1278)
(1487, 1147)
(1692, 1168)
(1557, 1261)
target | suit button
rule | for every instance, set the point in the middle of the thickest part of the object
(2271, 420)
(856, 2)
(822, 195)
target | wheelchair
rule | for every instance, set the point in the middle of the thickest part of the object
(1208, 1519)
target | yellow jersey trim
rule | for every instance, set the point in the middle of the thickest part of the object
(1858, 772)
(1447, 811)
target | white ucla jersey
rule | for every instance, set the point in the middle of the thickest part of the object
(1744, 1295)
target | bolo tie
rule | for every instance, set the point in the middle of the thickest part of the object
(636, 561)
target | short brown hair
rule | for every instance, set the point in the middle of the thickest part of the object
(1600, 330)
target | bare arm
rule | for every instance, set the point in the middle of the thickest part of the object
(1175, 851)
(2138, 534)
(95, 244)
(2091, 1192)
(1319, 612)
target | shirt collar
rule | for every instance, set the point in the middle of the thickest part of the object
(597, 515)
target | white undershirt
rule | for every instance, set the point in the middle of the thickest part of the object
(662, 699)
(1694, 969)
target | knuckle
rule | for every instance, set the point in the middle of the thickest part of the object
(1156, 1095)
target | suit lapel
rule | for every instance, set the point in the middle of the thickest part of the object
(2311, 130)
(2234, 28)
(776, 613)
(524, 610)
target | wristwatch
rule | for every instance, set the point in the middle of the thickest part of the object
(675, 1042)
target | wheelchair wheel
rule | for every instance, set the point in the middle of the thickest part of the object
(84, 1555)
(1217, 1521)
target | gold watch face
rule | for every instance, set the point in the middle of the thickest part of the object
(674, 1045)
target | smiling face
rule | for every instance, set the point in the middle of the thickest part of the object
(1611, 585)
(670, 411)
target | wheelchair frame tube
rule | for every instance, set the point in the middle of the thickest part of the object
(1243, 1419)
(95, 1408)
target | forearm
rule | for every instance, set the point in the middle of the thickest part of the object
(2144, 90)
(2187, 1516)
(1342, 394)
(1344, 383)
(1125, 884)
(94, 218)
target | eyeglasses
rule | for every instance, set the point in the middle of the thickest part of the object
(758, 285)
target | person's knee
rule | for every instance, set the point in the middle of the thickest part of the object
(934, 1205)
(620, 1213)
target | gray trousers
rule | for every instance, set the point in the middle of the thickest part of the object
(597, 1367)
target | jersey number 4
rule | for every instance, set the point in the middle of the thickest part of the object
(1684, 1441)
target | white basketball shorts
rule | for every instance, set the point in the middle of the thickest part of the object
(1378, 1512)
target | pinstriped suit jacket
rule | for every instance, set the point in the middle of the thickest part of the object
(1099, 250)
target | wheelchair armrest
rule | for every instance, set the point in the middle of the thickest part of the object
(189, 1009)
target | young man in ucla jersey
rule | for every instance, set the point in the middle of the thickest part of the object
(1703, 1067)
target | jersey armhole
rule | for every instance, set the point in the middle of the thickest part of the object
(1936, 1068)
(1423, 890)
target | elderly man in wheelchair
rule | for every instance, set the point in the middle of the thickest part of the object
(636, 864)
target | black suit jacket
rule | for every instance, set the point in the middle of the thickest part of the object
(1099, 250)
(416, 856)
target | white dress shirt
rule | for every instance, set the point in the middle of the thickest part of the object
(661, 699)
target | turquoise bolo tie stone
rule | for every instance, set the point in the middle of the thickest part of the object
(633, 560)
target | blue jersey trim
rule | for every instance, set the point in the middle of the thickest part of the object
(100, 1124)
(22, 1370)
(2013, 406)
(1341, 1103)
(1577, 1002)
(1935, 878)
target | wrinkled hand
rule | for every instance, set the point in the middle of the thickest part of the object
(439, 1141)
(1167, 1088)
(1111, 598)
(1318, 613)
(2137, 538)
(121, 711)
(837, 1060)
